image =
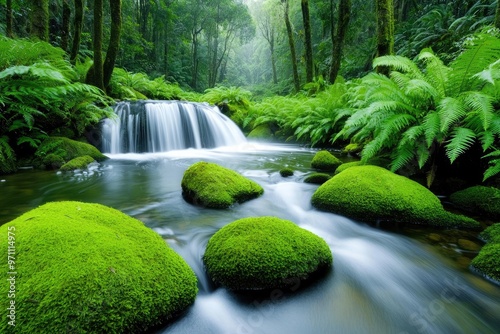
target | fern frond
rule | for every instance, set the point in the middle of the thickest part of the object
(399, 63)
(432, 125)
(494, 164)
(481, 105)
(436, 72)
(461, 140)
(402, 156)
(450, 110)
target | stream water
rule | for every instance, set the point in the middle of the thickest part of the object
(381, 282)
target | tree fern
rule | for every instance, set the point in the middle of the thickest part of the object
(461, 140)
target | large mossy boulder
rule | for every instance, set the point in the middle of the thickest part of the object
(55, 151)
(262, 132)
(213, 186)
(374, 194)
(258, 253)
(77, 163)
(325, 161)
(88, 268)
(481, 200)
(487, 262)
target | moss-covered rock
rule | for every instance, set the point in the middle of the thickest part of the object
(66, 149)
(87, 268)
(217, 187)
(372, 194)
(346, 165)
(317, 178)
(325, 161)
(264, 253)
(78, 163)
(262, 131)
(52, 161)
(286, 172)
(481, 200)
(491, 234)
(487, 262)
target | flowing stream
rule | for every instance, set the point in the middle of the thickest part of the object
(381, 282)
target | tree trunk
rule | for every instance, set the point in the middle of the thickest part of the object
(66, 17)
(291, 42)
(115, 7)
(497, 16)
(8, 18)
(77, 29)
(308, 40)
(385, 31)
(338, 41)
(273, 59)
(97, 69)
(39, 18)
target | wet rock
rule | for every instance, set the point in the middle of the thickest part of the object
(468, 245)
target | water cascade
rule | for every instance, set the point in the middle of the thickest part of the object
(160, 126)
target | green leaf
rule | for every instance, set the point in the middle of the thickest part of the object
(461, 140)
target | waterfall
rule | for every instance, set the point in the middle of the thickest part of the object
(160, 126)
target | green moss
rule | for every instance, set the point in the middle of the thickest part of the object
(372, 194)
(264, 253)
(88, 268)
(214, 186)
(262, 131)
(325, 161)
(346, 165)
(353, 148)
(77, 163)
(67, 149)
(481, 200)
(286, 172)
(491, 234)
(487, 262)
(52, 161)
(317, 178)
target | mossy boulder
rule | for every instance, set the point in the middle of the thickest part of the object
(286, 172)
(373, 194)
(213, 186)
(487, 262)
(258, 253)
(346, 165)
(88, 268)
(317, 178)
(262, 131)
(61, 149)
(491, 234)
(481, 200)
(78, 163)
(325, 161)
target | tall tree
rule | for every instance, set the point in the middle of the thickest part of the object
(115, 8)
(96, 72)
(291, 42)
(66, 18)
(8, 18)
(308, 40)
(338, 38)
(267, 28)
(385, 31)
(77, 29)
(39, 19)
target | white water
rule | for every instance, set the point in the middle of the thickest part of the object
(162, 126)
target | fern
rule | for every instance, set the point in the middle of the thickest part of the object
(451, 111)
(399, 63)
(461, 140)
(494, 165)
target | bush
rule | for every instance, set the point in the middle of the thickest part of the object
(88, 268)
(264, 253)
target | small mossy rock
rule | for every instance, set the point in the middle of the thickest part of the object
(52, 161)
(487, 262)
(88, 268)
(262, 131)
(346, 165)
(258, 253)
(286, 172)
(468, 245)
(67, 149)
(78, 163)
(491, 234)
(317, 178)
(372, 194)
(481, 200)
(325, 161)
(217, 187)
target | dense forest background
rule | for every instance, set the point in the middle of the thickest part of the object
(409, 85)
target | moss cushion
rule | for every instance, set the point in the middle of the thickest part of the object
(372, 194)
(481, 200)
(217, 187)
(286, 172)
(77, 163)
(262, 131)
(264, 253)
(325, 161)
(346, 165)
(317, 178)
(89, 268)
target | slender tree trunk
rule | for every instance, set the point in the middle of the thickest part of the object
(497, 16)
(338, 41)
(8, 18)
(308, 40)
(97, 69)
(291, 42)
(39, 18)
(273, 58)
(77, 29)
(66, 17)
(385, 31)
(115, 7)
(194, 73)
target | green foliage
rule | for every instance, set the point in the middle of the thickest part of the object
(233, 101)
(484, 201)
(217, 187)
(373, 194)
(264, 253)
(7, 157)
(85, 268)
